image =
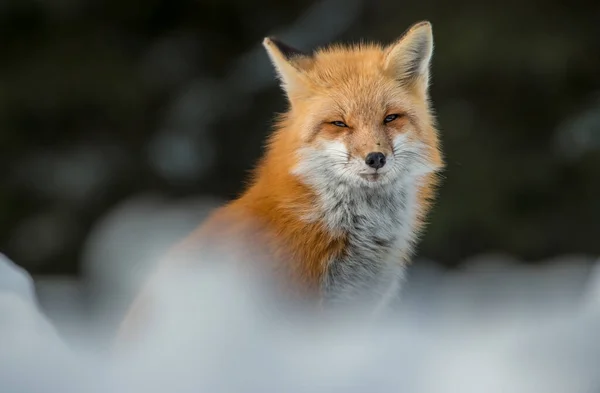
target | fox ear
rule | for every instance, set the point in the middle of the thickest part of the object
(289, 63)
(409, 57)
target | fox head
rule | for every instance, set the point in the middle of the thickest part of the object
(360, 114)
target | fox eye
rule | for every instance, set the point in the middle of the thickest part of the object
(339, 123)
(390, 118)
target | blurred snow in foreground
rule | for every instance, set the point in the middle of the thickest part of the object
(494, 328)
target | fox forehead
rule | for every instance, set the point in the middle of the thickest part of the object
(349, 70)
(352, 81)
(338, 63)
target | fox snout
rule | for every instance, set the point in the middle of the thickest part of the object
(371, 146)
(375, 160)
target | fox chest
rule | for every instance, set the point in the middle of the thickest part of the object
(378, 228)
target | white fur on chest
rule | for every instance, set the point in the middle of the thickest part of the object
(376, 219)
(378, 224)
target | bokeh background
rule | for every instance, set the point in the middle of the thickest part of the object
(110, 105)
(122, 123)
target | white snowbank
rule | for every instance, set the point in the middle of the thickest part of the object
(497, 327)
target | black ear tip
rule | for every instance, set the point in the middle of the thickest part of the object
(286, 50)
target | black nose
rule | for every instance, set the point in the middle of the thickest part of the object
(375, 160)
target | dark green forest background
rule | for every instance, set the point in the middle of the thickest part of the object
(104, 100)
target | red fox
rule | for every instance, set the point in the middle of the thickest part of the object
(349, 174)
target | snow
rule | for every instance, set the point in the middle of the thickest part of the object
(495, 327)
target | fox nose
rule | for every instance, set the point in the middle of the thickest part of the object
(375, 160)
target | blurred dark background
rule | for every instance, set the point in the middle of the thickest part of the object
(101, 101)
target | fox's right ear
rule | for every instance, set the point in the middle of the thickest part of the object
(289, 63)
(409, 57)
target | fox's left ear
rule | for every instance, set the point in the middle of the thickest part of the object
(289, 63)
(410, 56)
